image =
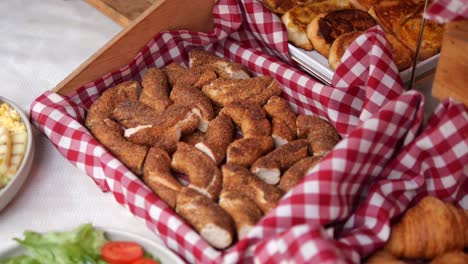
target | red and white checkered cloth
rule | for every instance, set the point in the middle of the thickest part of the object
(342, 209)
(444, 11)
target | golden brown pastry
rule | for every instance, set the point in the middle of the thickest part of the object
(224, 91)
(219, 135)
(269, 167)
(326, 27)
(197, 76)
(203, 174)
(299, 17)
(173, 72)
(206, 217)
(111, 136)
(322, 135)
(296, 172)
(390, 14)
(223, 68)
(155, 92)
(429, 229)
(243, 211)
(432, 36)
(192, 97)
(339, 47)
(281, 6)
(453, 257)
(132, 114)
(283, 120)
(402, 55)
(102, 108)
(157, 175)
(383, 257)
(364, 5)
(238, 179)
(250, 118)
(245, 151)
(154, 136)
(196, 137)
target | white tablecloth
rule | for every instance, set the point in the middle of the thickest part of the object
(41, 42)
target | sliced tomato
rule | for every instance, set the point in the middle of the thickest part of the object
(121, 252)
(146, 261)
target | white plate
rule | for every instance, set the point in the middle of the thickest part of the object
(156, 250)
(9, 191)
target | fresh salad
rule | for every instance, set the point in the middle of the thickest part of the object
(83, 245)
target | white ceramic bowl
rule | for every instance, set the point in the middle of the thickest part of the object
(9, 191)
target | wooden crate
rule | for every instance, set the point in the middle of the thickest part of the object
(451, 76)
(122, 11)
(118, 52)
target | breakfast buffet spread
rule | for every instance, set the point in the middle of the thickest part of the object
(227, 150)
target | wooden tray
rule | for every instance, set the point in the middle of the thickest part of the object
(118, 52)
(451, 78)
(122, 11)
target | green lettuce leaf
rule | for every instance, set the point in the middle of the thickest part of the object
(81, 245)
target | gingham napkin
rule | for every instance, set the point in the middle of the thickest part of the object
(444, 11)
(341, 211)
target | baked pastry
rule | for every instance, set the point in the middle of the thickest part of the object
(203, 174)
(222, 67)
(155, 92)
(190, 96)
(158, 176)
(402, 55)
(453, 257)
(391, 14)
(269, 167)
(245, 151)
(326, 27)
(224, 91)
(364, 5)
(102, 108)
(320, 134)
(431, 40)
(219, 135)
(281, 6)
(110, 134)
(339, 46)
(283, 120)
(250, 118)
(296, 172)
(173, 72)
(427, 230)
(383, 257)
(239, 180)
(243, 211)
(299, 17)
(207, 217)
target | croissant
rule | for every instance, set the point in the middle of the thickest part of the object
(453, 257)
(429, 229)
(383, 257)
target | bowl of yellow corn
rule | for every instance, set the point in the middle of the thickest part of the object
(16, 150)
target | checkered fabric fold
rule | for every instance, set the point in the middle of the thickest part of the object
(444, 11)
(341, 211)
